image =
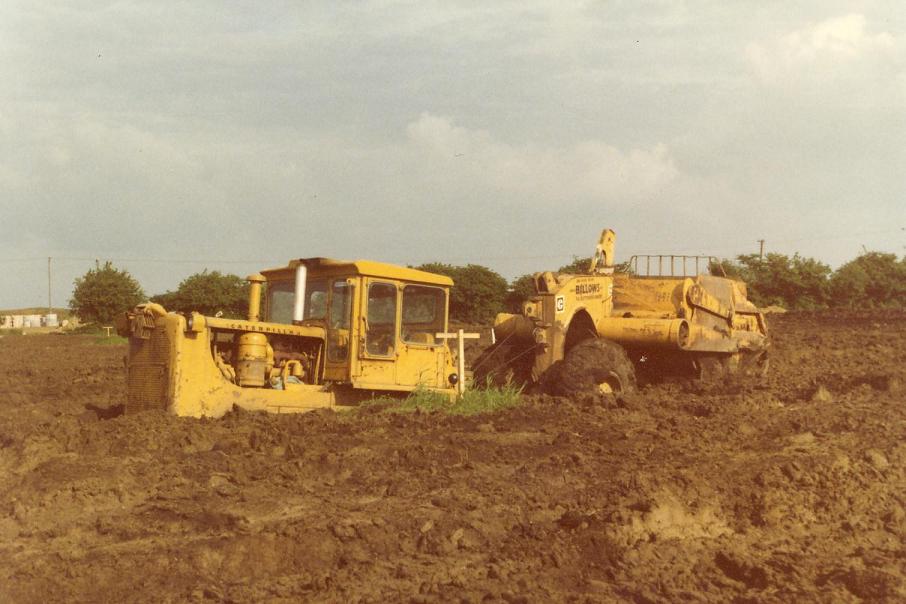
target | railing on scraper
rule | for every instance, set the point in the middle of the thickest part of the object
(642, 265)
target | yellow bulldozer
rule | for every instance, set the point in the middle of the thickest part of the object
(319, 333)
(655, 315)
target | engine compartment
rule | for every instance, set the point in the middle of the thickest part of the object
(258, 360)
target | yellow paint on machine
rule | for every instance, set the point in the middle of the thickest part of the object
(362, 327)
(667, 333)
(668, 313)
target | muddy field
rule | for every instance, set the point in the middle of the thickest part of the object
(791, 490)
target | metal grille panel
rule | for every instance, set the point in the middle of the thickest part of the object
(148, 372)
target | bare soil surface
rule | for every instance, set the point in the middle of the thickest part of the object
(789, 490)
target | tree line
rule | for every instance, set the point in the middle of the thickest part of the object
(105, 291)
(873, 279)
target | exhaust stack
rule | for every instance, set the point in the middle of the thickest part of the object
(299, 307)
(255, 282)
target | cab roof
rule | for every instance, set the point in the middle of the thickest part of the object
(328, 267)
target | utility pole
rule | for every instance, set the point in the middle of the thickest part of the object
(761, 249)
(49, 299)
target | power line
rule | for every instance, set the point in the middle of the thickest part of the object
(139, 260)
(276, 262)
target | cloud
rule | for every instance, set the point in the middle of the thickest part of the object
(504, 133)
(578, 173)
(825, 49)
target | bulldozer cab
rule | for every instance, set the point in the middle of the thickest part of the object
(319, 333)
(380, 320)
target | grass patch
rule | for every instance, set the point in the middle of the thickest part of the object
(88, 329)
(472, 402)
(99, 333)
(111, 341)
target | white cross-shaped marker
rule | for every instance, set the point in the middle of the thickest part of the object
(462, 336)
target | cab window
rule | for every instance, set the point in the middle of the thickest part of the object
(380, 335)
(315, 300)
(339, 321)
(281, 299)
(424, 313)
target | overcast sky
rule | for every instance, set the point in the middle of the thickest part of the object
(176, 136)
